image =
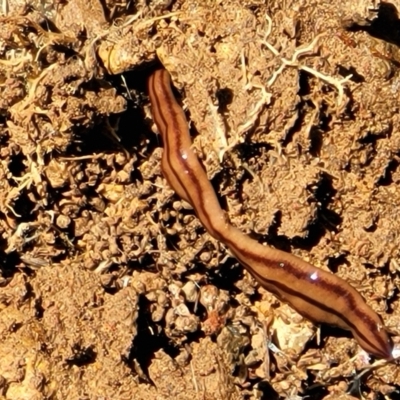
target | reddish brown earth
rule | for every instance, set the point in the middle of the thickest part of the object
(106, 275)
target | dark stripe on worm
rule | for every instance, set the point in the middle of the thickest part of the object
(377, 348)
(172, 153)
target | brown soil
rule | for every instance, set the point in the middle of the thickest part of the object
(106, 275)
